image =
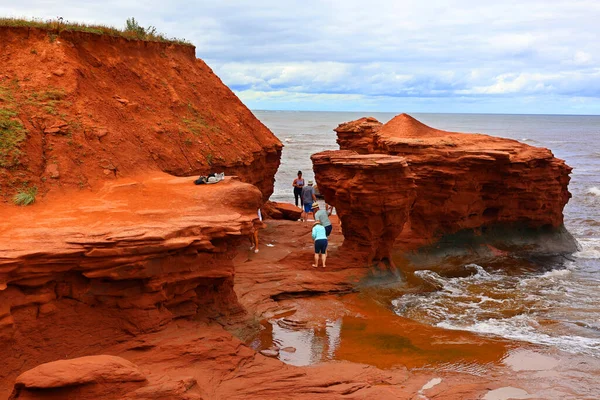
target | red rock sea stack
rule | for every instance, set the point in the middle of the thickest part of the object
(460, 183)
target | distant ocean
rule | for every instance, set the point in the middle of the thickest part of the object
(515, 303)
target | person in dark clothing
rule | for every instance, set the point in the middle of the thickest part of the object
(298, 185)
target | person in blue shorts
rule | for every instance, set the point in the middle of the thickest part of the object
(308, 198)
(320, 238)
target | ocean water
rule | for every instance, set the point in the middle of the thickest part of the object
(552, 306)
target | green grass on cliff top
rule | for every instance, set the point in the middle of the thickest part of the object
(131, 30)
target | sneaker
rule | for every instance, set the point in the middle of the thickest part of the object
(256, 250)
(252, 247)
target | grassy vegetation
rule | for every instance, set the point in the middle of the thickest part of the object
(53, 94)
(131, 30)
(196, 123)
(25, 197)
(47, 100)
(12, 131)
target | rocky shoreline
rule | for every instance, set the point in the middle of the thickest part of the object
(125, 280)
(197, 358)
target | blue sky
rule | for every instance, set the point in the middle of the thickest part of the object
(507, 56)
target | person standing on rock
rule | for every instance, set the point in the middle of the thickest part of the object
(308, 197)
(257, 224)
(322, 217)
(298, 185)
(320, 238)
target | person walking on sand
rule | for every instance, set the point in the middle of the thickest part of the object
(320, 238)
(322, 217)
(308, 197)
(257, 224)
(298, 185)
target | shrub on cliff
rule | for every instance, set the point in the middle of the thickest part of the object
(133, 27)
(25, 197)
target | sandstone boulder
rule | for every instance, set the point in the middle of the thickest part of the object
(275, 210)
(80, 371)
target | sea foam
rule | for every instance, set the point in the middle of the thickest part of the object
(594, 190)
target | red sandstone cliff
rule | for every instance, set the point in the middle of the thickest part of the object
(141, 266)
(464, 182)
(116, 244)
(83, 272)
(85, 108)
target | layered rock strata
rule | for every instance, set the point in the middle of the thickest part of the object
(80, 273)
(373, 195)
(83, 108)
(464, 182)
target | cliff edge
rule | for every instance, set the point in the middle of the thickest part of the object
(79, 108)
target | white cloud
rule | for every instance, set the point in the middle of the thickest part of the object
(582, 58)
(460, 52)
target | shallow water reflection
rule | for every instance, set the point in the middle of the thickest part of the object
(300, 345)
(371, 334)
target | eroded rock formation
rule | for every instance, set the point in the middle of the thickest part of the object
(373, 195)
(121, 275)
(275, 210)
(82, 272)
(464, 182)
(83, 108)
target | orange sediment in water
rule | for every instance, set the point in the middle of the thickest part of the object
(359, 329)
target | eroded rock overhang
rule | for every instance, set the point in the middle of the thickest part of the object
(512, 192)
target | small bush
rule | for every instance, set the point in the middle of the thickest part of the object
(25, 197)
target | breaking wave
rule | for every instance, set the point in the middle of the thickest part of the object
(544, 308)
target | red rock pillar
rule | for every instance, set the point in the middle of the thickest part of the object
(373, 195)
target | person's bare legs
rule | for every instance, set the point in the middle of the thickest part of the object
(255, 234)
(316, 264)
(324, 257)
(251, 239)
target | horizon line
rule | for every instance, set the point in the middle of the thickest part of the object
(424, 112)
